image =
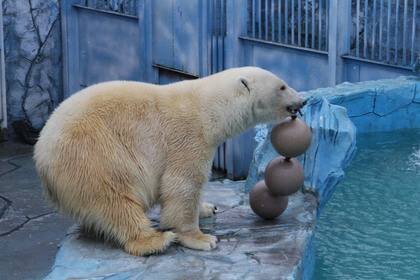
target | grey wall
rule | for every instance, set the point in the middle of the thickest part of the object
(33, 55)
(32, 37)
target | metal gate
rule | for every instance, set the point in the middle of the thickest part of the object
(309, 43)
(3, 111)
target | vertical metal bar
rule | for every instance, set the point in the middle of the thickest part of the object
(272, 21)
(340, 17)
(373, 30)
(365, 29)
(224, 161)
(280, 20)
(222, 34)
(320, 25)
(404, 33)
(253, 18)
(413, 31)
(212, 24)
(327, 24)
(292, 22)
(381, 15)
(216, 27)
(357, 28)
(266, 19)
(223, 156)
(306, 23)
(388, 31)
(313, 24)
(332, 48)
(397, 13)
(299, 23)
(259, 19)
(286, 25)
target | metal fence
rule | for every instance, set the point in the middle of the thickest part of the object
(300, 23)
(382, 30)
(385, 31)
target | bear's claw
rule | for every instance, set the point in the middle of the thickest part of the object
(207, 210)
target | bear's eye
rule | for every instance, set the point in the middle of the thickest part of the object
(283, 87)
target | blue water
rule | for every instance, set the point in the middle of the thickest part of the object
(370, 229)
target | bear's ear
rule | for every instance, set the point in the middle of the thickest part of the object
(244, 85)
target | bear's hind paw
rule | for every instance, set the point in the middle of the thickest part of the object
(153, 244)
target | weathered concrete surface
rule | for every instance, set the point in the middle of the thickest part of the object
(30, 230)
(249, 248)
(32, 38)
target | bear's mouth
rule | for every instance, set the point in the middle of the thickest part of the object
(295, 109)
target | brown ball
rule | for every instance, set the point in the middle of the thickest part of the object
(291, 137)
(284, 176)
(264, 204)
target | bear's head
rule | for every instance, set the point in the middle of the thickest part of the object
(270, 98)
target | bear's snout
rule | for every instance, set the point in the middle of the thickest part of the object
(296, 106)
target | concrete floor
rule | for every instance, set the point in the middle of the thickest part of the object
(30, 230)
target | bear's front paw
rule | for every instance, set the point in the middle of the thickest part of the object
(197, 240)
(207, 210)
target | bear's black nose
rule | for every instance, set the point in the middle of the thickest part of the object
(292, 109)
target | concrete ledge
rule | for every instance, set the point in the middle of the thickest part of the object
(249, 247)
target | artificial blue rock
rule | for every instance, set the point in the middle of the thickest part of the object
(389, 100)
(359, 104)
(396, 103)
(416, 98)
(333, 146)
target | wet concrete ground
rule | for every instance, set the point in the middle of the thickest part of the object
(30, 230)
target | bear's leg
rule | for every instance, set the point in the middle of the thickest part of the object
(122, 218)
(180, 203)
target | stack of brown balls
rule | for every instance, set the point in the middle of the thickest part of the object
(284, 174)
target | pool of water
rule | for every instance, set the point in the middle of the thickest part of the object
(370, 229)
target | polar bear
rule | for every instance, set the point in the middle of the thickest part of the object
(115, 149)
